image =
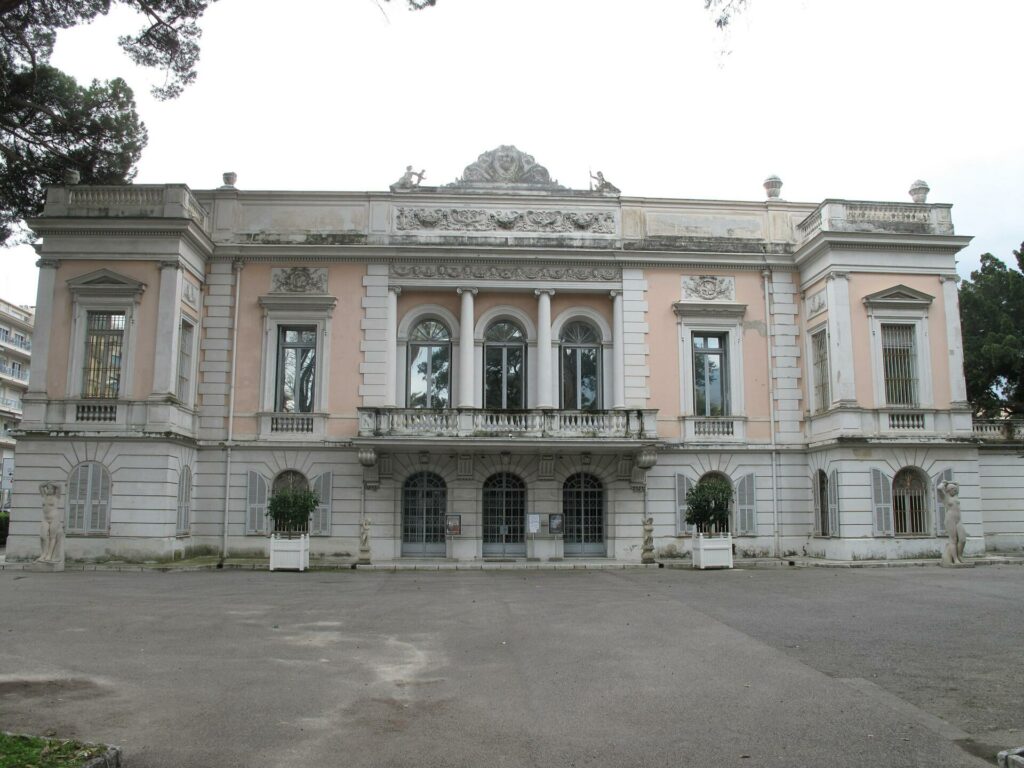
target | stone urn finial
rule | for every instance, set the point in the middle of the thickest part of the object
(71, 176)
(919, 191)
(230, 178)
(773, 186)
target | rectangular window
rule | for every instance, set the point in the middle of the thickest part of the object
(296, 369)
(899, 365)
(819, 359)
(104, 346)
(185, 345)
(710, 380)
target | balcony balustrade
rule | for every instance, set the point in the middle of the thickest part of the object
(999, 429)
(472, 422)
(19, 345)
(18, 374)
(10, 404)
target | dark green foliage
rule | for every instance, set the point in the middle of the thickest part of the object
(29, 751)
(707, 504)
(992, 320)
(291, 508)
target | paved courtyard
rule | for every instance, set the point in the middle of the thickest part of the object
(782, 667)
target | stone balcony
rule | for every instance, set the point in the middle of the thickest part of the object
(510, 425)
(999, 429)
(863, 216)
(144, 201)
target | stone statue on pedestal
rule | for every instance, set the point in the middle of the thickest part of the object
(647, 552)
(410, 179)
(51, 535)
(949, 494)
(364, 540)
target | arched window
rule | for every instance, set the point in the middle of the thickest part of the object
(583, 507)
(89, 499)
(504, 366)
(424, 504)
(184, 501)
(821, 506)
(504, 513)
(580, 360)
(290, 480)
(909, 502)
(430, 363)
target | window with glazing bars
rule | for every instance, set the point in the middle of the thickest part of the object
(819, 359)
(296, 369)
(185, 361)
(710, 378)
(899, 364)
(104, 346)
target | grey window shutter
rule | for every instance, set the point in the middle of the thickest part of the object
(945, 476)
(184, 500)
(833, 503)
(682, 488)
(256, 512)
(815, 486)
(746, 504)
(78, 489)
(320, 525)
(99, 498)
(881, 498)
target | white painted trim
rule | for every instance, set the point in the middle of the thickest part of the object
(81, 306)
(918, 318)
(427, 311)
(505, 312)
(580, 313)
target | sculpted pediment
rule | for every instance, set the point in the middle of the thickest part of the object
(105, 282)
(505, 167)
(898, 296)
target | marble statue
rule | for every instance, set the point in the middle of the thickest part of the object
(647, 552)
(407, 182)
(51, 536)
(949, 494)
(602, 185)
(364, 540)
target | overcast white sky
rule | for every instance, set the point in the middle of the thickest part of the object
(841, 98)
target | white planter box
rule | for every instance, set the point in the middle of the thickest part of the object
(290, 554)
(712, 551)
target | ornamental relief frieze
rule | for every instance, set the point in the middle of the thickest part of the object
(504, 272)
(298, 280)
(709, 288)
(478, 220)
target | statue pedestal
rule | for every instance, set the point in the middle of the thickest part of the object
(38, 566)
(364, 556)
(955, 565)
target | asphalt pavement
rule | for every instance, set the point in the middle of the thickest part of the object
(781, 667)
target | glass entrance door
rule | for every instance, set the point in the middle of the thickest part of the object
(504, 513)
(583, 506)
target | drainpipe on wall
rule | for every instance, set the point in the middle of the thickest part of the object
(237, 267)
(766, 274)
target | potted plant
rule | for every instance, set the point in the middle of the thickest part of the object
(290, 509)
(707, 509)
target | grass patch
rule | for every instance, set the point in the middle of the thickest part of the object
(32, 752)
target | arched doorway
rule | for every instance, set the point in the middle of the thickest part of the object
(424, 504)
(583, 505)
(504, 513)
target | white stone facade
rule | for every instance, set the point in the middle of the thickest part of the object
(498, 353)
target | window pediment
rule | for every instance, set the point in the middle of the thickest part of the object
(709, 309)
(898, 297)
(105, 282)
(299, 302)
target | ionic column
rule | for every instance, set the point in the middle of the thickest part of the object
(840, 338)
(466, 348)
(545, 384)
(618, 353)
(954, 340)
(391, 395)
(165, 359)
(42, 327)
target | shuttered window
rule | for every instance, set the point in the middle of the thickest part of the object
(821, 518)
(746, 505)
(184, 501)
(819, 361)
(320, 525)
(256, 504)
(833, 502)
(899, 364)
(185, 344)
(683, 484)
(89, 499)
(881, 499)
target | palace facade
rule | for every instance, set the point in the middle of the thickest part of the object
(501, 368)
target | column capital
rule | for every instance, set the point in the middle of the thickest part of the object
(949, 278)
(472, 291)
(615, 294)
(395, 289)
(237, 265)
(170, 264)
(837, 276)
(47, 263)
(548, 291)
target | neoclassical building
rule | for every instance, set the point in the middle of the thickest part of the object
(501, 367)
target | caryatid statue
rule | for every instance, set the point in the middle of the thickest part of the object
(51, 535)
(949, 494)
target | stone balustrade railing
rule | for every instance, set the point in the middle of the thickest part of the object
(999, 429)
(128, 201)
(897, 218)
(472, 422)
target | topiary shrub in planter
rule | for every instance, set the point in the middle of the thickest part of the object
(290, 509)
(707, 510)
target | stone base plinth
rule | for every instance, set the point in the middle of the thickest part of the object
(41, 566)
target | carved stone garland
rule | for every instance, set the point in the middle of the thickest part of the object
(504, 272)
(470, 220)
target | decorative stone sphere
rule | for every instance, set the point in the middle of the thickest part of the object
(367, 457)
(71, 176)
(646, 458)
(773, 186)
(919, 191)
(230, 178)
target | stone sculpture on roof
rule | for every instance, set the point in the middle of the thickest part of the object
(506, 166)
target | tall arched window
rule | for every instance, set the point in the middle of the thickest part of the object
(424, 504)
(290, 480)
(504, 366)
(583, 507)
(909, 503)
(504, 513)
(89, 499)
(430, 363)
(580, 360)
